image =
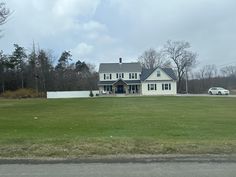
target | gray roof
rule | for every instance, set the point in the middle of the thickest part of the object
(147, 72)
(170, 72)
(117, 67)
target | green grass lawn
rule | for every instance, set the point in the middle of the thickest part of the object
(102, 126)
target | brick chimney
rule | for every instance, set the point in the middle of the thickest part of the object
(120, 60)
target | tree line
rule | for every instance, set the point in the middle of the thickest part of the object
(37, 70)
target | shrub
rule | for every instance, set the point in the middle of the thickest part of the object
(91, 93)
(21, 93)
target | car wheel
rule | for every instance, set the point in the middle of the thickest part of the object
(210, 93)
(219, 93)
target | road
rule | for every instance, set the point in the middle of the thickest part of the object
(159, 169)
(207, 95)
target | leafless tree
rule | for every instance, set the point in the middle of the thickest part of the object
(4, 13)
(228, 71)
(211, 71)
(151, 59)
(178, 52)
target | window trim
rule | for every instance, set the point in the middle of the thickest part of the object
(166, 86)
(152, 87)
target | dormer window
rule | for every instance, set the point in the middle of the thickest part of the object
(133, 75)
(120, 75)
(158, 73)
(107, 76)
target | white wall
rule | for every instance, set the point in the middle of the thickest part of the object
(70, 94)
(159, 90)
(126, 76)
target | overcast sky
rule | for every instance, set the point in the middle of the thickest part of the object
(104, 30)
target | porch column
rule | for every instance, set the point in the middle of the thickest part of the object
(113, 89)
(126, 89)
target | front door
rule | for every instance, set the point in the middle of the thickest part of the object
(120, 88)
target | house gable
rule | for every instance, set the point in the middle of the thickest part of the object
(158, 74)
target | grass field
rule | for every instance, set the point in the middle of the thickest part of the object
(102, 126)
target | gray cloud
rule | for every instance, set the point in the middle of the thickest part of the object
(104, 30)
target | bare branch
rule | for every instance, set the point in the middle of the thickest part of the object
(4, 13)
(151, 59)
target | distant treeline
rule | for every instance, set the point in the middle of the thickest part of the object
(36, 70)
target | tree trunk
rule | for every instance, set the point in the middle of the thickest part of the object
(3, 85)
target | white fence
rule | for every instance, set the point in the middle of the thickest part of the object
(71, 94)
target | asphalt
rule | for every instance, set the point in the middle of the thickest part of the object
(207, 95)
(165, 169)
(206, 158)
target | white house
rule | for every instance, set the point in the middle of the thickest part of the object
(130, 78)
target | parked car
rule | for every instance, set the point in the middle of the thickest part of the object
(218, 91)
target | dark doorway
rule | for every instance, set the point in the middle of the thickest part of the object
(120, 88)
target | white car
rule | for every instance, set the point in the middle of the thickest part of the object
(218, 91)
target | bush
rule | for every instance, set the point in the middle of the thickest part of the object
(21, 93)
(91, 93)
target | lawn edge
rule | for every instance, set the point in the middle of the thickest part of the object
(184, 158)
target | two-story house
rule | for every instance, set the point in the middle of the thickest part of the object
(130, 78)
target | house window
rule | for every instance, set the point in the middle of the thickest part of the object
(117, 75)
(121, 75)
(152, 86)
(166, 86)
(129, 75)
(107, 88)
(135, 75)
(107, 76)
(158, 73)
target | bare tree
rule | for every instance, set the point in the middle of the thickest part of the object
(178, 52)
(151, 59)
(229, 71)
(211, 71)
(4, 13)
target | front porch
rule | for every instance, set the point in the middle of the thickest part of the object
(120, 87)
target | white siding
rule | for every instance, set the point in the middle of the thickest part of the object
(159, 90)
(126, 76)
